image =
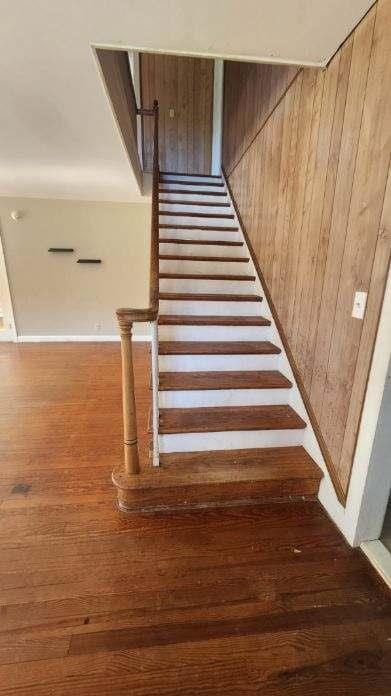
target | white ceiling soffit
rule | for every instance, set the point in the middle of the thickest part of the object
(58, 137)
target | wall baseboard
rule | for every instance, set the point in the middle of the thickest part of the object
(77, 339)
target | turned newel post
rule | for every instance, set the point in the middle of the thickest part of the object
(128, 402)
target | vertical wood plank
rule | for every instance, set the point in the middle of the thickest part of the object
(310, 183)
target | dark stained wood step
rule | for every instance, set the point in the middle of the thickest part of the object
(187, 213)
(167, 201)
(199, 276)
(212, 419)
(208, 297)
(214, 228)
(206, 176)
(219, 478)
(218, 348)
(194, 381)
(202, 242)
(184, 182)
(207, 320)
(189, 257)
(195, 193)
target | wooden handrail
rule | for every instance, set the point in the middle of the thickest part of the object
(127, 316)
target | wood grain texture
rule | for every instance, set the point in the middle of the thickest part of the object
(221, 418)
(210, 320)
(242, 124)
(267, 379)
(218, 348)
(190, 257)
(208, 297)
(214, 228)
(188, 192)
(119, 86)
(186, 85)
(312, 191)
(75, 574)
(206, 276)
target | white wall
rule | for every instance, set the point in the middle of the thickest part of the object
(52, 294)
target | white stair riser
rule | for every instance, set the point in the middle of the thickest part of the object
(216, 363)
(201, 308)
(185, 187)
(214, 333)
(201, 250)
(233, 287)
(208, 222)
(189, 208)
(190, 177)
(199, 442)
(222, 397)
(192, 197)
(208, 235)
(204, 267)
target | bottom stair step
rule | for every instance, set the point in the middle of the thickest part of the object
(220, 478)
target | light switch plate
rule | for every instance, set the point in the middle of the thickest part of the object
(172, 113)
(359, 304)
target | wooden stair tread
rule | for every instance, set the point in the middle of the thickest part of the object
(212, 419)
(204, 242)
(205, 276)
(218, 348)
(262, 462)
(193, 381)
(213, 228)
(167, 201)
(190, 213)
(209, 320)
(208, 297)
(219, 478)
(191, 257)
(204, 176)
(183, 182)
(217, 466)
(194, 193)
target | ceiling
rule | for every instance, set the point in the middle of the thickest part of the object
(58, 138)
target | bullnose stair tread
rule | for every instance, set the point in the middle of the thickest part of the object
(208, 297)
(201, 242)
(186, 174)
(193, 257)
(210, 320)
(205, 276)
(193, 193)
(194, 381)
(185, 182)
(167, 201)
(191, 213)
(218, 348)
(212, 419)
(212, 228)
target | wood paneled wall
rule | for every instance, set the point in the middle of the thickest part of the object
(186, 86)
(119, 86)
(314, 189)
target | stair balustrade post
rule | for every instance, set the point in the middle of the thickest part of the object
(132, 465)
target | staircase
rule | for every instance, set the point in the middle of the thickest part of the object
(229, 427)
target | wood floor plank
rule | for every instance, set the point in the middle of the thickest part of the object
(258, 599)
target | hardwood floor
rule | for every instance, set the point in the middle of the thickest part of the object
(256, 600)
